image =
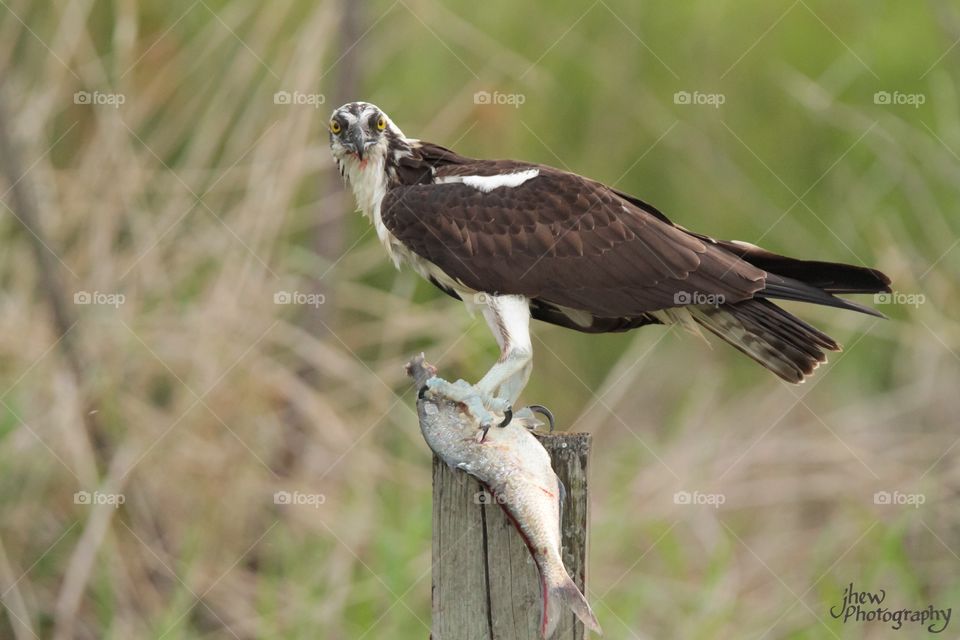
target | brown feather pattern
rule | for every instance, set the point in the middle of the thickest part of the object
(598, 260)
(561, 238)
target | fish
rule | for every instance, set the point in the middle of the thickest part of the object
(515, 468)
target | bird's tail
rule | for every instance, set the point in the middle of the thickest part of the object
(828, 277)
(781, 342)
(559, 592)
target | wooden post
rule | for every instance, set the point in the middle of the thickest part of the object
(485, 584)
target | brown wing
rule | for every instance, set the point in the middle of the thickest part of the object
(563, 239)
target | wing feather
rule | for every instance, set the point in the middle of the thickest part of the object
(563, 239)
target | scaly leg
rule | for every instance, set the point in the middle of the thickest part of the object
(509, 319)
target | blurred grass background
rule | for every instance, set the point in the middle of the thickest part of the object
(200, 198)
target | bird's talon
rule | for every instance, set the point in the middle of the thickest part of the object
(546, 413)
(482, 433)
(507, 417)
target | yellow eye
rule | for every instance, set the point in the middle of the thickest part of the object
(381, 124)
(334, 126)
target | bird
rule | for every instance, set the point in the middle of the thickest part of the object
(519, 240)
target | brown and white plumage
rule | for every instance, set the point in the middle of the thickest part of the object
(583, 255)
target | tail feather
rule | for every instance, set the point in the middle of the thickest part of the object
(832, 277)
(777, 320)
(779, 341)
(776, 339)
(808, 280)
(565, 593)
(778, 286)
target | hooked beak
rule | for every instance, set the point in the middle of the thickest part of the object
(355, 141)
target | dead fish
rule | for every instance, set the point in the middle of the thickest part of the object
(515, 468)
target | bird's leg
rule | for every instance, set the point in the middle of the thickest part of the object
(507, 378)
(509, 319)
(495, 393)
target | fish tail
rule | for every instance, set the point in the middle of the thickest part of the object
(559, 593)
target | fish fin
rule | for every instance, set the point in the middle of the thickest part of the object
(565, 594)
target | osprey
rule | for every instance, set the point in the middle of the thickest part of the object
(518, 240)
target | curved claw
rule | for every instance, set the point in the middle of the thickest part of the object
(546, 413)
(482, 433)
(507, 417)
(422, 392)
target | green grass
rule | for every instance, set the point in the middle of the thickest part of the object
(200, 198)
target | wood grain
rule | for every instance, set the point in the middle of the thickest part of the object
(485, 584)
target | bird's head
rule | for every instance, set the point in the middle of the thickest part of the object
(361, 132)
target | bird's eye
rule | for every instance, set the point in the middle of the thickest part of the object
(381, 123)
(334, 126)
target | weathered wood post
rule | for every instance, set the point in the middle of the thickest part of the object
(485, 584)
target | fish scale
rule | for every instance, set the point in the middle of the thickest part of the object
(516, 469)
